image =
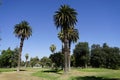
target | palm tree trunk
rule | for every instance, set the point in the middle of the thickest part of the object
(68, 60)
(69, 56)
(20, 51)
(65, 55)
(26, 63)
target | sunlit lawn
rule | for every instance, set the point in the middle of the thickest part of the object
(80, 74)
(74, 74)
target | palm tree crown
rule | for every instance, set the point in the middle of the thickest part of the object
(73, 35)
(65, 17)
(26, 56)
(23, 30)
(52, 48)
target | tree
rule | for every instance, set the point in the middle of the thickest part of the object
(98, 57)
(45, 62)
(112, 56)
(61, 37)
(65, 18)
(6, 58)
(34, 61)
(26, 57)
(105, 56)
(22, 31)
(52, 48)
(57, 59)
(73, 36)
(15, 57)
(81, 54)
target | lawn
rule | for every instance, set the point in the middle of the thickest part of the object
(48, 74)
(80, 74)
(6, 69)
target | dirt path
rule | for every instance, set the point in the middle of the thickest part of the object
(23, 75)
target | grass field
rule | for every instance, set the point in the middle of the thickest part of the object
(7, 69)
(47, 74)
(80, 74)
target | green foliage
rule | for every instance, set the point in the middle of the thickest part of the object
(57, 58)
(26, 56)
(8, 58)
(97, 56)
(34, 61)
(52, 48)
(105, 56)
(81, 54)
(45, 62)
(65, 18)
(23, 30)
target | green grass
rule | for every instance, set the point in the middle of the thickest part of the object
(47, 74)
(74, 74)
(6, 69)
(80, 74)
(97, 74)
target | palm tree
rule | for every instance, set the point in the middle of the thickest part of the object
(22, 31)
(52, 48)
(61, 37)
(26, 56)
(64, 18)
(73, 36)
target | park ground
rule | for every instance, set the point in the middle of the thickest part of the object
(48, 74)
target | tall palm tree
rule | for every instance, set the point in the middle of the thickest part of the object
(26, 57)
(22, 31)
(64, 18)
(73, 36)
(52, 48)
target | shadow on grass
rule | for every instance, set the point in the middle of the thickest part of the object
(21, 70)
(52, 71)
(93, 78)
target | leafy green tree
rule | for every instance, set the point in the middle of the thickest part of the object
(22, 31)
(112, 56)
(26, 57)
(72, 61)
(15, 57)
(34, 61)
(57, 59)
(45, 62)
(81, 54)
(6, 58)
(98, 57)
(65, 18)
(52, 48)
(105, 56)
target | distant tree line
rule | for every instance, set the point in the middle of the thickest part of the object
(83, 56)
(97, 56)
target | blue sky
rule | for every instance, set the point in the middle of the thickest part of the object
(98, 22)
